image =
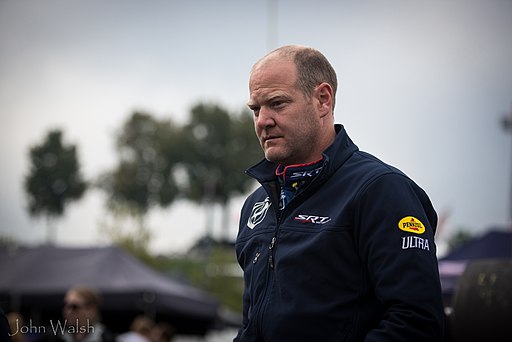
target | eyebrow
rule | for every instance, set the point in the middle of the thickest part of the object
(268, 99)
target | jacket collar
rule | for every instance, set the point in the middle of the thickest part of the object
(335, 156)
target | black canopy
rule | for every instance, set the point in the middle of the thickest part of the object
(34, 281)
(492, 245)
(495, 244)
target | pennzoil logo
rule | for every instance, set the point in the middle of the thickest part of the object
(258, 213)
(411, 224)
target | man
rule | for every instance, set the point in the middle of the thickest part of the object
(81, 322)
(335, 245)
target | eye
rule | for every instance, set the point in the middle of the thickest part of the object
(277, 104)
(255, 110)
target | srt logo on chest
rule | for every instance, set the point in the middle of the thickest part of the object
(312, 219)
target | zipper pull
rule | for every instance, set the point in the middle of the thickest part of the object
(272, 243)
(256, 257)
(270, 257)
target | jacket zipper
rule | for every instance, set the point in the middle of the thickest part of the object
(269, 279)
(271, 252)
(270, 273)
(268, 284)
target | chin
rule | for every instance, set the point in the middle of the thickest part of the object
(270, 157)
(273, 157)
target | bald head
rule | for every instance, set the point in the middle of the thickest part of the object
(312, 67)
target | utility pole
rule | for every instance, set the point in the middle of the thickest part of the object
(272, 24)
(506, 123)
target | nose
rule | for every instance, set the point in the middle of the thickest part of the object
(265, 118)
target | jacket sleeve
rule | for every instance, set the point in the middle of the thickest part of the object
(395, 227)
(245, 308)
(245, 297)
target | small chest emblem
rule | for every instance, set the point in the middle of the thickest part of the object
(258, 213)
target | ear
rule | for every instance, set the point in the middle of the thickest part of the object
(324, 96)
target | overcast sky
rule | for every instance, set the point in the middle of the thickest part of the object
(423, 86)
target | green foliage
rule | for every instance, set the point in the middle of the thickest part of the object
(220, 147)
(216, 272)
(203, 161)
(244, 150)
(459, 238)
(54, 179)
(149, 150)
(126, 229)
(224, 277)
(8, 242)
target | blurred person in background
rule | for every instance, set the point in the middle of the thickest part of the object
(16, 321)
(162, 332)
(140, 330)
(82, 319)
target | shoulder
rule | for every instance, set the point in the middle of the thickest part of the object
(361, 170)
(368, 162)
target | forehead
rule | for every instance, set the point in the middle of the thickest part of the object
(72, 295)
(274, 74)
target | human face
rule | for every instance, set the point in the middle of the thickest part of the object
(286, 122)
(77, 311)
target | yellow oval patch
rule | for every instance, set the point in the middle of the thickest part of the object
(411, 224)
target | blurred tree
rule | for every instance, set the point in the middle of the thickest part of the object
(459, 238)
(204, 161)
(220, 146)
(54, 179)
(144, 177)
(8, 242)
(149, 152)
(128, 232)
(220, 274)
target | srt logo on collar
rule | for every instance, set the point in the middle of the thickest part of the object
(258, 213)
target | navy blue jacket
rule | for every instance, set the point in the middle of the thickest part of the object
(351, 258)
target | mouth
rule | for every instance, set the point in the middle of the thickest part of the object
(269, 138)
